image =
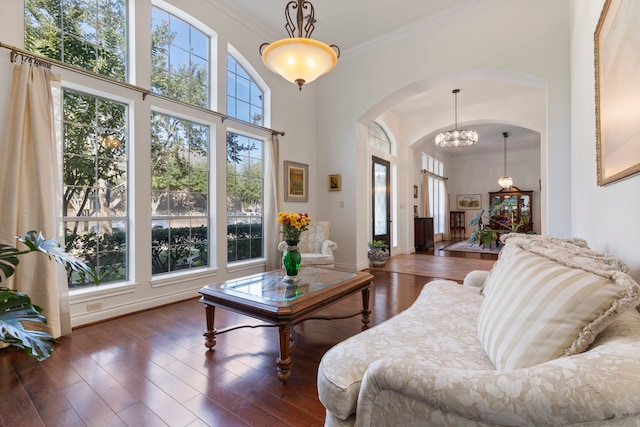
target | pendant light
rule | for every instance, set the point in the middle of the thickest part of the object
(299, 59)
(455, 137)
(505, 180)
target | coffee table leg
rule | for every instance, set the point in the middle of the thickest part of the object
(365, 308)
(210, 334)
(284, 362)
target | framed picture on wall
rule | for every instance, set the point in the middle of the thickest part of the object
(617, 52)
(335, 183)
(296, 182)
(468, 201)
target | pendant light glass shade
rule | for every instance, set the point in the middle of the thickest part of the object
(456, 137)
(299, 59)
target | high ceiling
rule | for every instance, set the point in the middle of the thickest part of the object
(356, 24)
(346, 23)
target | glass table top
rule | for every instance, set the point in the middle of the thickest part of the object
(270, 285)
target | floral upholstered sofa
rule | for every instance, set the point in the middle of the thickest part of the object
(549, 337)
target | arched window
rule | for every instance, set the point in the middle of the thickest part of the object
(245, 99)
(378, 138)
(179, 59)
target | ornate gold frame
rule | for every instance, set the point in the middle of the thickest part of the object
(617, 149)
(296, 182)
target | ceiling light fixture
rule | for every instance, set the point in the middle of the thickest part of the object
(505, 180)
(455, 137)
(299, 59)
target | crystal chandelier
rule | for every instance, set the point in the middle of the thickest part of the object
(299, 59)
(505, 180)
(456, 137)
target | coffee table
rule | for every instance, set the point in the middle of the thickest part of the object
(266, 297)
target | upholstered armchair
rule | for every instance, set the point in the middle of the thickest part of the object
(314, 246)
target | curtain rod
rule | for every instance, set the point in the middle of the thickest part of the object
(431, 173)
(48, 62)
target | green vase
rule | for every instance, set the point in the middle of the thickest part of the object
(291, 262)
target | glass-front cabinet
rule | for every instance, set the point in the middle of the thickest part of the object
(515, 213)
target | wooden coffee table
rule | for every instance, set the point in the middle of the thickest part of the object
(266, 297)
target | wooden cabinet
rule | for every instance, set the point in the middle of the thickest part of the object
(516, 212)
(457, 224)
(423, 233)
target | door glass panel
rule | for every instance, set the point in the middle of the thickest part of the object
(380, 199)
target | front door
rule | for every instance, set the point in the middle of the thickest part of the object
(381, 196)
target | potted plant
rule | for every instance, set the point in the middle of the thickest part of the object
(487, 231)
(378, 253)
(16, 307)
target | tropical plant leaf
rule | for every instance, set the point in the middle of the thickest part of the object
(35, 241)
(8, 261)
(16, 307)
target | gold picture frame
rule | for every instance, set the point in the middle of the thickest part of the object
(296, 182)
(335, 182)
(616, 49)
(468, 202)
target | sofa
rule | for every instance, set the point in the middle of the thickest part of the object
(550, 336)
(315, 246)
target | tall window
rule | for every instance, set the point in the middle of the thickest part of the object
(179, 58)
(179, 194)
(378, 138)
(84, 33)
(100, 153)
(95, 208)
(244, 97)
(245, 196)
(437, 193)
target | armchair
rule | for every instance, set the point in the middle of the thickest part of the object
(314, 246)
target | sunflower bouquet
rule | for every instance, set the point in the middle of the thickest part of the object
(292, 225)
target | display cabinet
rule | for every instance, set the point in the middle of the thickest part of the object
(457, 224)
(516, 210)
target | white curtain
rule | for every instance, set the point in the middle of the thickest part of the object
(31, 189)
(425, 209)
(272, 205)
(447, 210)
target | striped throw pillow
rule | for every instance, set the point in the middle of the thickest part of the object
(541, 308)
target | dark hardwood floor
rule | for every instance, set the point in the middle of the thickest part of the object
(152, 369)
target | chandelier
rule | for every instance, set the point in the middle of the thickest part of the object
(299, 59)
(505, 180)
(456, 137)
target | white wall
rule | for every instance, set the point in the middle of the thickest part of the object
(607, 217)
(503, 35)
(478, 174)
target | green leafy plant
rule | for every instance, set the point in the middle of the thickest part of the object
(16, 307)
(377, 244)
(487, 228)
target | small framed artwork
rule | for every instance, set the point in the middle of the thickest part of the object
(296, 182)
(335, 183)
(468, 201)
(415, 191)
(616, 70)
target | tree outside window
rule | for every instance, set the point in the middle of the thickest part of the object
(179, 59)
(245, 188)
(179, 194)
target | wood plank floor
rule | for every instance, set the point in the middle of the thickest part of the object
(152, 369)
